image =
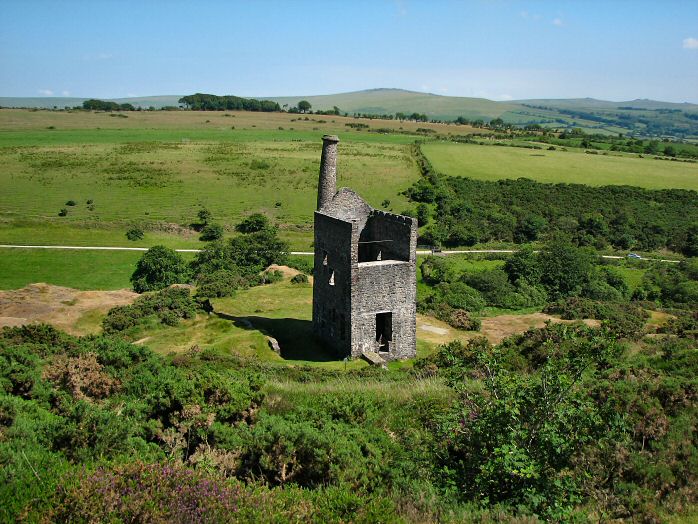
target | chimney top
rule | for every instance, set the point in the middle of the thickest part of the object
(330, 138)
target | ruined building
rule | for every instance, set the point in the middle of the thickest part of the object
(364, 296)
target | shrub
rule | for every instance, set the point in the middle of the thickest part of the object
(204, 215)
(301, 263)
(168, 306)
(71, 203)
(459, 295)
(163, 493)
(63, 212)
(211, 232)
(220, 283)
(253, 223)
(159, 268)
(461, 319)
(272, 276)
(134, 234)
(300, 278)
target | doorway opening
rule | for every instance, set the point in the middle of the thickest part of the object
(384, 331)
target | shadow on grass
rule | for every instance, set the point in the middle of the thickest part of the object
(295, 336)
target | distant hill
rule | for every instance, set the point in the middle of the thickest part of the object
(50, 102)
(642, 116)
(391, 101)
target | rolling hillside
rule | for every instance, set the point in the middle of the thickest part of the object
(646, 117)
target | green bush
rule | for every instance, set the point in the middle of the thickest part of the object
(134, 234)
(220, 283)
(253, 223)
(211, 232)
(159, 268)
(168, 306)
(300, 278)
(272, 276)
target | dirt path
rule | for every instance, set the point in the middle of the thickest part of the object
(307, 253)
(74, 311)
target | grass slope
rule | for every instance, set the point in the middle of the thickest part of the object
(160, 168)
(76, 269)
(494, 163)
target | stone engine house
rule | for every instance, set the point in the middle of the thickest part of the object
(365, 290)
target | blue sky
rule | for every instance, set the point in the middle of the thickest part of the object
(616, 50)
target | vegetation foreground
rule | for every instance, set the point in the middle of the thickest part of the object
(563, 423)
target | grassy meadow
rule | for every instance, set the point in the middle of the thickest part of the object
(496, 162)
(157, 169)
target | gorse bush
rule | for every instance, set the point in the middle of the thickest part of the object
(168, 306)
(563, 423)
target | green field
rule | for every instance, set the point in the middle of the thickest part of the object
(76, 269)
(156, 170)
(498, 162)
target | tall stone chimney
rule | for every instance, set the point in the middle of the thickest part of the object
(327, 186)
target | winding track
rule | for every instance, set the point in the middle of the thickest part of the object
(305, 253)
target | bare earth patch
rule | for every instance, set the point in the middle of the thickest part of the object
(76, 312)
(495, 329)
(288, 272)
(500, 327)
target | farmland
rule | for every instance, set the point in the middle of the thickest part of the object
(548, 166)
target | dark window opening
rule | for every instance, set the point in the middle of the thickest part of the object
(342, 328)
(385, 237)
(384, 331)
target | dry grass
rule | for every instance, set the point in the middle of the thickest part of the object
(76, 312)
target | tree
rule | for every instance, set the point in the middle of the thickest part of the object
(211, 232)
(253, 223)
(204, 215)
(304, 106)
(564, 268)
(159, 268)
(523, 266)
(256, 251)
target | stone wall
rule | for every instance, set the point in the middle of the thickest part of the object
(385, 287)
(332, 282)
(386, 235)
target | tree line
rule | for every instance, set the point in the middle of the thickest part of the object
(205, 102)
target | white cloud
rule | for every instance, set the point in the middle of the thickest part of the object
(65, 93)
(45, 92)
(690, 43)
(558, 22)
